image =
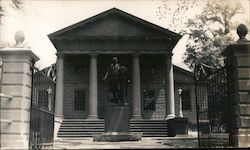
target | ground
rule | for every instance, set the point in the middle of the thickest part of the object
(180, 141)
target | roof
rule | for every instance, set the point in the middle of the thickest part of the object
(118, 12)
(189, 73)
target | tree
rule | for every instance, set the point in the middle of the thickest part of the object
(176, 12)
(15, 4)
(209, 33)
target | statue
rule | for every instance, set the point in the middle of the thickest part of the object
(117, 76)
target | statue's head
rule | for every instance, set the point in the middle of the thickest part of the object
(114, 60)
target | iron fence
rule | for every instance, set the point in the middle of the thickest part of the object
(42, 110)
(213, 107)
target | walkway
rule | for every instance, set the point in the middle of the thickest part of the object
(145, 143)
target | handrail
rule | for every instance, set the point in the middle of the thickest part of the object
(6, 96)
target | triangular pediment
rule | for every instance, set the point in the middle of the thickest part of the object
(114, 23)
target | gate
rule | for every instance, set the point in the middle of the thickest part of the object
(212, 104)
(42, 110)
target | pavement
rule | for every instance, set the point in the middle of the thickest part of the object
(180, 141)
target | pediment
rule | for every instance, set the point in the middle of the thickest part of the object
(114, 23)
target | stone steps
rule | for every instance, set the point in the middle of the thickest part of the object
(80, 128)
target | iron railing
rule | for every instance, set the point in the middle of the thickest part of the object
(42, 109)
(213, 111)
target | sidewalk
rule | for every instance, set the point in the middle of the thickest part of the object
(146, 143)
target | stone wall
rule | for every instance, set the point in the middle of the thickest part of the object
(153, 78)
(185, 80)
(190, 114)
(76, 77)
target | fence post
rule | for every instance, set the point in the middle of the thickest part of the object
(15, 108)
(238, 61)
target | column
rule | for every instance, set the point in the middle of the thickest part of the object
(136, 88)
(169, 89)
(93, 103)
(59, 86)
(59, 93)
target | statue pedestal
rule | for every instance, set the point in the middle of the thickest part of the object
(117, 125)
(117, 118)
(117, 137)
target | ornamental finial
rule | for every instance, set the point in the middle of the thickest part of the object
(242, 32)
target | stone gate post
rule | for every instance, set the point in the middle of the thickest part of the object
(238, 64)
(15, 97)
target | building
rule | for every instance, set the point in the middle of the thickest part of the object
(85, 49)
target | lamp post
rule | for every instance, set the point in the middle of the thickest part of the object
(180, 97)
(49, 90)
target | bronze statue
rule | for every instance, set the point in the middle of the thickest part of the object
(117, 76)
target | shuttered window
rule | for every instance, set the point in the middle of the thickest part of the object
(186, 100)
(149, 99)
(79, 100)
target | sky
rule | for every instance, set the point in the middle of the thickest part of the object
(42, 17)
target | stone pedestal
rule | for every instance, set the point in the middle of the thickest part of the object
(117, 118)
(177, 126)
(117, 125)
(181, 126)
(117, 137)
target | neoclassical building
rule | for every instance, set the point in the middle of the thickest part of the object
(85, 49)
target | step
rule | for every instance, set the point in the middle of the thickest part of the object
(78, 133)
(82, 125)
(93, 122)
(82, 120)
(82, 128)
(102, 129)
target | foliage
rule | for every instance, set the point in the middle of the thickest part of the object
(209, 33)
(15, 4)
(176, 16)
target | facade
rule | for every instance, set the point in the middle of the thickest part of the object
(86, 49)
(183, 79)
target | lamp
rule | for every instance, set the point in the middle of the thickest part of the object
(180, 97)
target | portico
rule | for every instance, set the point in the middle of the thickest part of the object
(85, 49)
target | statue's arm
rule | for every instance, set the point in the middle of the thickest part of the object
(106, 75)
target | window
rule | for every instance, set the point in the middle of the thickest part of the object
(149, 99)
(43, 98)
(186, 100)
(79, 100)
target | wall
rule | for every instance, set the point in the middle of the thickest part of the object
(153, 78)
(76, 76)
(184, 80)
